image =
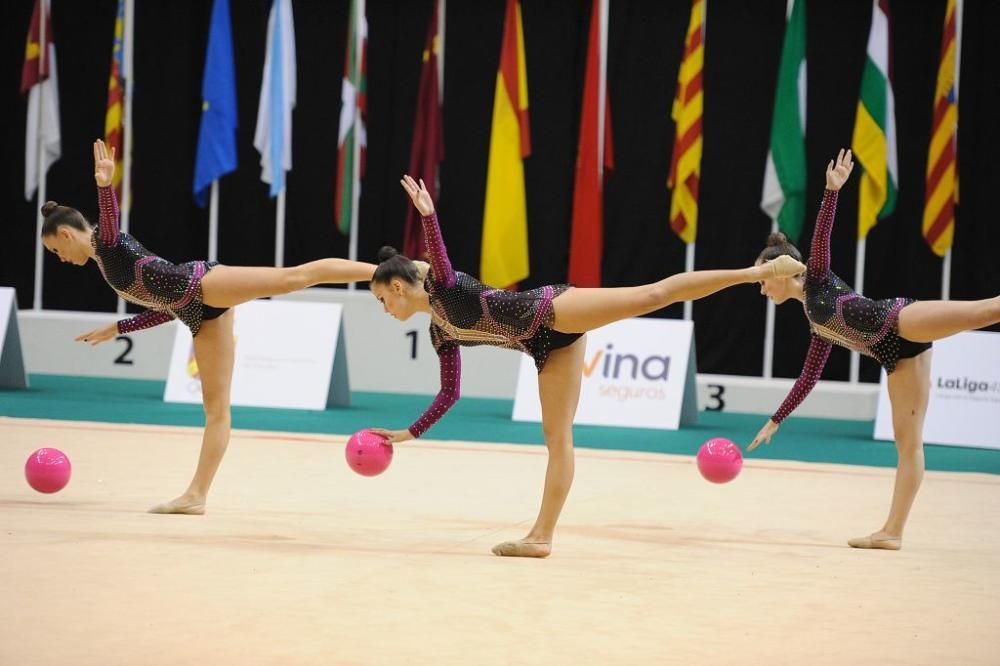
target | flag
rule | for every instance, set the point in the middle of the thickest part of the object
(217, 133)
(427, 149)
(593, 156)
(504, 259)
(114, 116)
(685, 164)
(353, 106)
(39, 81)
(273, 136)
(783, 196)
(942, 158)
(874, 140)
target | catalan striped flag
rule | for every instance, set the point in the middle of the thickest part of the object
(874, 140)
(685, 165)
(114, 117)
(942, 156)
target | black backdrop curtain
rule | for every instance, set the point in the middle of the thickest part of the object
(743, 44)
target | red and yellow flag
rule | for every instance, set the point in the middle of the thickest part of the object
(114, 117)
(942, 157)
(504, 259)
(685, 165)
(427, 149)
(594, 156)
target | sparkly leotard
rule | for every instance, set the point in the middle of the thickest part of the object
(839, 315)
(465, 312)
(139, 276)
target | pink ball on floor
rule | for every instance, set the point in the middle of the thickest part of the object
(719, 460)
(368, 454)
(47, 470)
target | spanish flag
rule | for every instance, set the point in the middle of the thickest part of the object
(505, 220)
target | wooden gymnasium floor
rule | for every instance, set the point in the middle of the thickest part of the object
(299, 561)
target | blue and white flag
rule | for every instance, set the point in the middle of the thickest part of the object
(273, 137)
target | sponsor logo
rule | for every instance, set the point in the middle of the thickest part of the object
(612, 365)
(968, 385)
(625, 376)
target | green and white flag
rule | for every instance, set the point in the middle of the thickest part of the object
(783, 198)
(352, 138)
(874, 140)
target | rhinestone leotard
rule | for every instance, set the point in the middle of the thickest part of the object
(465, 312)
(167, 290)
(839, 315)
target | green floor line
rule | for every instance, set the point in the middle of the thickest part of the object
(479, 419)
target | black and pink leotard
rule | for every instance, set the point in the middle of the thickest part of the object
(839, 315)
(465, 312)
(167, 290)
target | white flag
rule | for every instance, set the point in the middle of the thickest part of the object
(38, 79)
(273, 137)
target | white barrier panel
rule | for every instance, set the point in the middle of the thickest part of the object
(11, 358)
(964, 407)
(385, 355)
(50, 347)
(637, 373)
(390, 356)
(287, 355)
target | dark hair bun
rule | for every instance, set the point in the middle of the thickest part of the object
(48, 208)
(386, 253)
(777, 239)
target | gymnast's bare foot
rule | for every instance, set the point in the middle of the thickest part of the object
(185, 504)
(880, 540)
(523, 548)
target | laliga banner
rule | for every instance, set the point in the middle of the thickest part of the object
(637, 373)
(288, 354)
(964, 407)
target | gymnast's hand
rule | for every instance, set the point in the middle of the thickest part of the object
(104, 164)
(764, 435)
(393, 436)
(837, 174)
(419, 194)
(97, 336)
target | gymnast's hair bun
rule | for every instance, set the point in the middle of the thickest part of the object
(386, 253)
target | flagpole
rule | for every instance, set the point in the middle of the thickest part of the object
(946, 277)
(213, 222)
(40, 158)
(602, 82)
(946, 265)
(279, 228)
(689, 266)
(352, 253)
(126, 202)
(769, 328)
(440, 58)
(859, 287)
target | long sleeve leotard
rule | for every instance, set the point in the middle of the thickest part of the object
(167, 290)
(839, 315)
(465, 312)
